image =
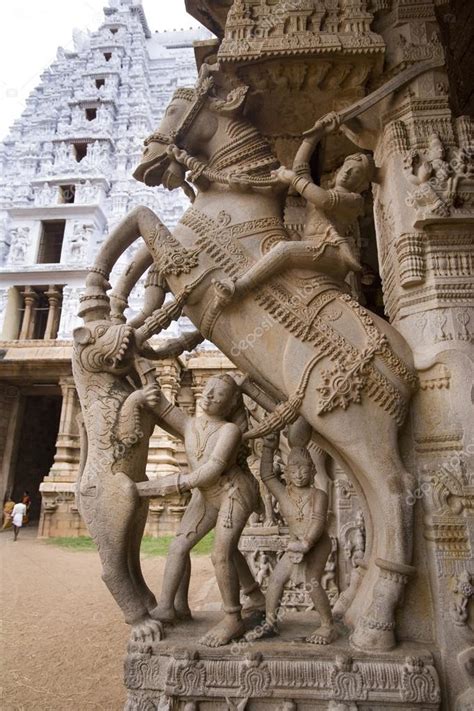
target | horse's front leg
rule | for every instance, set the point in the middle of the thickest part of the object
(139, 222)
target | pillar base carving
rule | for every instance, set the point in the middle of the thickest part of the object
(277, 673)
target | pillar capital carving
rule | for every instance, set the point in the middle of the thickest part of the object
(169, 373)
(66, 382)
(424, 210)
(29, 294)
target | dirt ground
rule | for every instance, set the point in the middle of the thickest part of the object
(63, 636)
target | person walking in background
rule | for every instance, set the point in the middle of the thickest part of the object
(7, 512)
(18, 513)
(27, 501)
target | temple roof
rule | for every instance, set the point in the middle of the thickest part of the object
(211, 13)
(136, 7)
(180, 38)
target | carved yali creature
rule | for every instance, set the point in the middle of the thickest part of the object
(347, 372)
(119, 393)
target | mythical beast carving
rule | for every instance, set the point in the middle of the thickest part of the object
(120, 402)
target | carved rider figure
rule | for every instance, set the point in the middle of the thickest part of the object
(325, 246)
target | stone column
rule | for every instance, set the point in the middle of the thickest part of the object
(54, 301)
(30, 298)
(155, 511)
(424, 214)
(66, 460)
(197, 387)
(49, 507)
(185, 400)
(161, 459)
(10, 407)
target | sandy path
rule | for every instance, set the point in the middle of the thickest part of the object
(63, 636)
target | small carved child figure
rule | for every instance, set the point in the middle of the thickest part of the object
(304, 508)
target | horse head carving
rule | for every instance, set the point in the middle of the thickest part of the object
(201, 122)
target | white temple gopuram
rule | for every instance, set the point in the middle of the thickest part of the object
(66, 180)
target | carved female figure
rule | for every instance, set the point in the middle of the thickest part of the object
(432, 175)
(19, 244)
(224, 496)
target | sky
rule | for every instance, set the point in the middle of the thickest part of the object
(32, 30)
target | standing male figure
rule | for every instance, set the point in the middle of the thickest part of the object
(304, 507)
(18, 513)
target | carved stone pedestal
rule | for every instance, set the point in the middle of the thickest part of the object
(278, 673)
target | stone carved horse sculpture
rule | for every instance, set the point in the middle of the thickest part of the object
(348, 373)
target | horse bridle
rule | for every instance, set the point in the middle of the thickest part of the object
(198, 96)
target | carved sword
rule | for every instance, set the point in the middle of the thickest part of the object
(390, 86)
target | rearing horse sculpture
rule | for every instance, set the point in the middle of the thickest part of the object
(348, 373)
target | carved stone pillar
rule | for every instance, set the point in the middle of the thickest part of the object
(199, 381)
(66, 460)
(28, 324)
(54, 301)
(48, 510)
(162, 459)
(155, 511)
(185, 400)
(424, 214)
(9, 410)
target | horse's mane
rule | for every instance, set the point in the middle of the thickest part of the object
(245, 151)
